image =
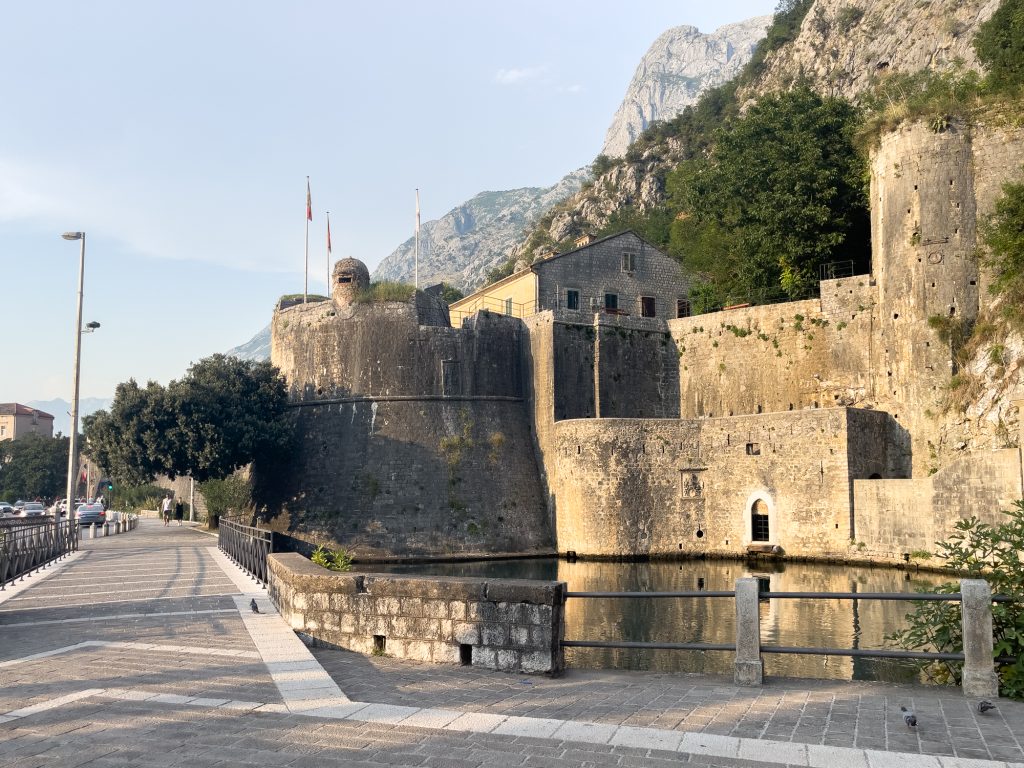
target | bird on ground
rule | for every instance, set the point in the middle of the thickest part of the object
(909, 717)
(255, 608)
(985, 706)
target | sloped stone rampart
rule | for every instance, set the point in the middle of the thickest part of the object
(510, 625)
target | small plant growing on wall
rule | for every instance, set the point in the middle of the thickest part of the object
(335, 560)
(496, 441)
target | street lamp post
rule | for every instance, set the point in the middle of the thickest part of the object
(73, 448)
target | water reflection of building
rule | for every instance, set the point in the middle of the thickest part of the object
(788, 622)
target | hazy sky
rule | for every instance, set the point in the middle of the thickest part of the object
(179, 135)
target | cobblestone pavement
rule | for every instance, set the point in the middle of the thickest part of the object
(141, 651)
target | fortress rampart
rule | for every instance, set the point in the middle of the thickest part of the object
(618, 436)
(415, 437)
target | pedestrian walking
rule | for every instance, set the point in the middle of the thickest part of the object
(179, 512)
(166, 510)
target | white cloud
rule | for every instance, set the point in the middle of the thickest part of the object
(576, 88)
(517, 75)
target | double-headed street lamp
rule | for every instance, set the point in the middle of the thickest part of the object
(73, 448)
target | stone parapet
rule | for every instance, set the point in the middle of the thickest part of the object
(509, 625)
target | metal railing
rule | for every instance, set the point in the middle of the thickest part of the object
(29, 546)
(764, 594)
(247, 546)
(492, 304)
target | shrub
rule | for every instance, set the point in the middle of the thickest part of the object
(978, 551)
(233, 494)
(1000, 45)
(335, 560)
(1003, 234)
(385, 291)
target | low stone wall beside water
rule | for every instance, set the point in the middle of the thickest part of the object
(510, 625)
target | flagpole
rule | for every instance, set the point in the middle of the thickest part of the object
(417, 257)
(328, 254)
(309, 215)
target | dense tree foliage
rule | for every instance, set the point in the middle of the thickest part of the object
(33, 467)
(224, 414)
(1000, 46)
(780, 193)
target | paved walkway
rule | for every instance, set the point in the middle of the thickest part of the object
(141, 650)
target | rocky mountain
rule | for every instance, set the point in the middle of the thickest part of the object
(841, 48)
(257, 348)
(843, 45)
(471, 238)
(461, 246)
(679, 66)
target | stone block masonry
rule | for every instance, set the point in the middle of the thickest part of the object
(508, 625)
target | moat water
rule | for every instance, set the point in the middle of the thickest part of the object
(784, 622)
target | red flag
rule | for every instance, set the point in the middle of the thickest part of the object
(328, 232)
(309, 202)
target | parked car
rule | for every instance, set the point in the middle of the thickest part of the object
(60, 507)
(87, 514)
(32, 509)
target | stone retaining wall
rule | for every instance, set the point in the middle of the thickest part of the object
(509, 625)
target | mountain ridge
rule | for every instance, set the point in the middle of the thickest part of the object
(680, 65)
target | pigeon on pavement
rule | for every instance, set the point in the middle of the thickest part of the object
(985, 706)
(909, 717)
(255, 608)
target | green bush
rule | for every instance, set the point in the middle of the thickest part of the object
(232, 495)
(335, 560)
(1003, 235)
(1000, 46)
(978, 551)
(131, 498)
(385, 291)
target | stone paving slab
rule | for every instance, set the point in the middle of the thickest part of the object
(821, 712)
(165, 665)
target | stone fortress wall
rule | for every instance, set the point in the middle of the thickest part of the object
(618, 436)
(415, 436)
(862, 355)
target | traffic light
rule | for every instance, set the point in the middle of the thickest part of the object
(110, 486)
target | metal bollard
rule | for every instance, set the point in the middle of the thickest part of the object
(106, 529)
(979, 677)
(749, 669)
(92, 530)
(117, 527)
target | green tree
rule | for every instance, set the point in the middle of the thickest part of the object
(999, 44)
(977, 551)
(450, 294)
(33, 467)
(131, 440)
(222, 415)
(780, 193)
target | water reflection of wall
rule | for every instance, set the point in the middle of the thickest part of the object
(821, 623)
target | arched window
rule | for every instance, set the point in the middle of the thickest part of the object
(759, 521)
